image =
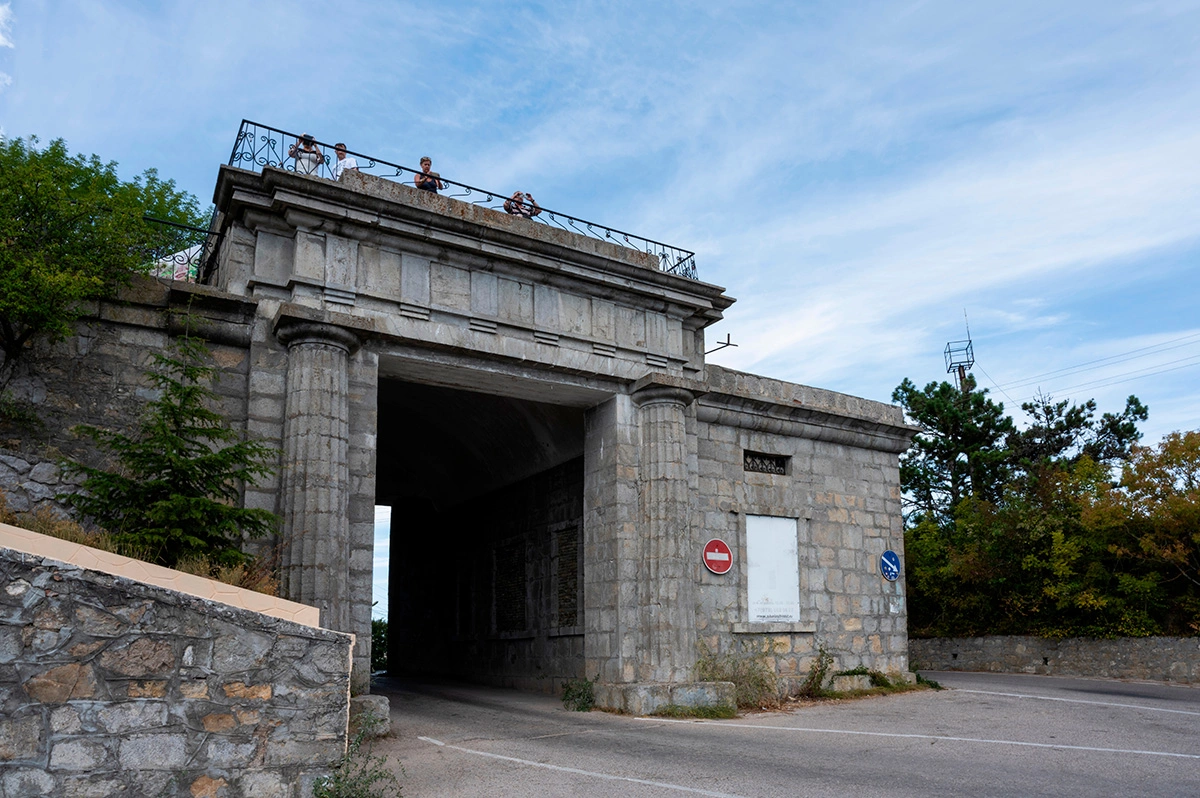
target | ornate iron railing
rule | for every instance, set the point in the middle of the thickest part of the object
(181, 252)
(259, 145)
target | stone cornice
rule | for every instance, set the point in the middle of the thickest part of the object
(738, 399)
(763, 415)
(371, 209)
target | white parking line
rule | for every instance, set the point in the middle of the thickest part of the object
(927, 737)
(578, 772)
(1077, 701)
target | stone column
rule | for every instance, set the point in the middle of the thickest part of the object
(666, 582)
(316, 471)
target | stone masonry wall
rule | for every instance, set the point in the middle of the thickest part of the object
(96, 377)
(110, 686)
(1166, 659)
(846, 500)
(30, 482)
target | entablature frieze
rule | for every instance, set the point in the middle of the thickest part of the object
(281, 203)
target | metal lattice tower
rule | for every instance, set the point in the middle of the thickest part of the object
(960, 356)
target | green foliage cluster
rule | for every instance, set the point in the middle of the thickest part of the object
(257, 575)
(705, 713)
(755, 684)
(175, 492)
(579, 695)
(360, 774)
(1025, 531)
(818, 673)
(930, 683)
(878, 678)
(379, 644)
(72, 231)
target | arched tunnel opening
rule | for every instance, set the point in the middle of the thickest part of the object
(486, 550)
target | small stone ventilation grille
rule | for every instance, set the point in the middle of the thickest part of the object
(766, 463)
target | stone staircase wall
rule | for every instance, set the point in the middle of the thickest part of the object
(110, 685)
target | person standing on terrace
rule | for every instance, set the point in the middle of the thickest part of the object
(427, 180)
(522, 205)
(343, 164)
(307, 154)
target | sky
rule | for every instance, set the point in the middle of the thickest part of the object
(866, 178)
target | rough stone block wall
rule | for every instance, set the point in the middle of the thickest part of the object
(110, 686)
(1164, 659)
(846, 500)
(31, 482)
(97, 377)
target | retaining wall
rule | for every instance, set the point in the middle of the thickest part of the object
(113, 686)
(1164, 659)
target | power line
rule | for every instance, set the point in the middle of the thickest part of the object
(998, 388)
(1118, 358)
(1134, 375)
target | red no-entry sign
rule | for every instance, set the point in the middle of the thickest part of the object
(717, 556)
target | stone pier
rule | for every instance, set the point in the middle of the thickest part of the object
(316, 473)
(667, 585)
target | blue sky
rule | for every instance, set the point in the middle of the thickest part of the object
(856, 174)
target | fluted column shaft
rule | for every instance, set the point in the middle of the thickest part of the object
(666, 583)
(316, 472)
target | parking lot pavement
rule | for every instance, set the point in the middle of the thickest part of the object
(988, 735)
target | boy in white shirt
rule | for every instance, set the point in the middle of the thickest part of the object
(342, 164)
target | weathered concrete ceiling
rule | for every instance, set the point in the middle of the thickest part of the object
(445, 445)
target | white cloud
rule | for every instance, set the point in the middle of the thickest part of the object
(855, 174)
(6, 19)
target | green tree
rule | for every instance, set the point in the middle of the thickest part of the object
(1060, 433)
(175, 492)
(1022, 532)
(959, 452)
(72, 231)
(1153, 516)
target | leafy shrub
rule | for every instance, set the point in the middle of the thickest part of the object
(818, 672)
(359, 774)
(755, 683)
(929, 683)
(878, 679)
(579, 695)
(379, 644)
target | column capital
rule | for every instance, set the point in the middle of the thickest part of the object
(664, 388)
(291, 332)
(662, 394)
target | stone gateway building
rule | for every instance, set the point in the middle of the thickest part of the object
(535, 407)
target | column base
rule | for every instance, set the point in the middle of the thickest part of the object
(646, 698)
(378, 707)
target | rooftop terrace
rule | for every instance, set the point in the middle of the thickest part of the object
(258, 146)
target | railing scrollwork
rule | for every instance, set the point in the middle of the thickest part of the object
(258, 146)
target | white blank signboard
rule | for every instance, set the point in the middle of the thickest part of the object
(773, 566)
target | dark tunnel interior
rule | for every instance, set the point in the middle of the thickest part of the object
(486, 491)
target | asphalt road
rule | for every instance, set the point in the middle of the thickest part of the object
(987, 735)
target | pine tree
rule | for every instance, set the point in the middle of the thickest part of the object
(959, 452)
(175, 493)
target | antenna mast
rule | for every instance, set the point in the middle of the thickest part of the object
(960, 356)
